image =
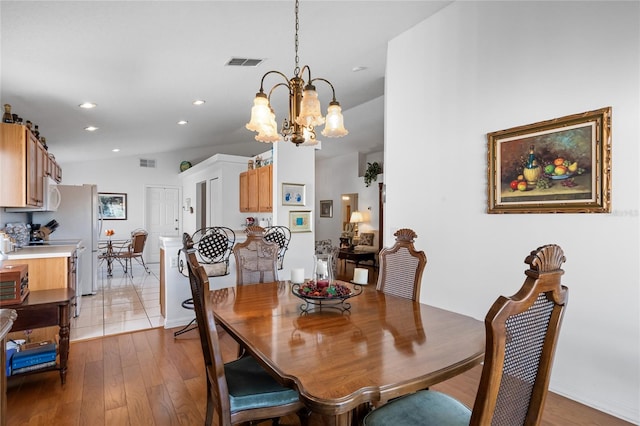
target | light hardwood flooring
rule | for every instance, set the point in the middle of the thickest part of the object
(149, 378)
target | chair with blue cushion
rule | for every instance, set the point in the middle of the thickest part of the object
(521, 336)
(239, 391)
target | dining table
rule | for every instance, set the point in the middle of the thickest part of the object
(347, 357)
(109, 250)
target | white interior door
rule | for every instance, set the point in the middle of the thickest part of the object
(162, 218)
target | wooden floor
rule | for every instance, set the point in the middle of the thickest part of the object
(150, 378)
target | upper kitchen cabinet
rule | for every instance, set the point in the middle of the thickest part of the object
(256, 189)
(22, 163)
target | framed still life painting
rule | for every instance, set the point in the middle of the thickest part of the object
(556, 166)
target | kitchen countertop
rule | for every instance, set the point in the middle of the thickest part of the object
(44, 251)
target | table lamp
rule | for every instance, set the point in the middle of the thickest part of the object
(356, 217)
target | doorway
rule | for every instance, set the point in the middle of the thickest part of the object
(162, 218)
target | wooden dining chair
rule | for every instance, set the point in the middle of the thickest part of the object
(521, 336)
(239, 391)
(401, 266)
(256, 258)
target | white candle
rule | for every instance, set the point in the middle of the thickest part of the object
(297, 275)
(321, 268)
(361, 276)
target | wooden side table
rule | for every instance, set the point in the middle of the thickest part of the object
(44, 308)
(356, 256)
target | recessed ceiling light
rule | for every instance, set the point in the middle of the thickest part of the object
(199, 102)
(182, 122)
(356, 69)
(88, 105)
(91, 128)
(116, 150)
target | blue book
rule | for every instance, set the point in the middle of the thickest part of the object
(10, 353)
(37, 355)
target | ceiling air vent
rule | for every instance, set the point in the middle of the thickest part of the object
(244, 62)
(146, 162)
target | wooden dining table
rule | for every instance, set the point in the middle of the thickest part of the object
(343, 361)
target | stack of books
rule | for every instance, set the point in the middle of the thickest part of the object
(34, 356)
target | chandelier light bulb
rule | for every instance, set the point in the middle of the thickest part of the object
(310, 114)
(259, 113)
(335, 122)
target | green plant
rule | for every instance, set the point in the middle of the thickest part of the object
(372, 172)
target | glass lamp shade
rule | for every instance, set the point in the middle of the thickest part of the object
(269, 132)
(310, 114)
(260, 113)
(323, 269)
(335, 122)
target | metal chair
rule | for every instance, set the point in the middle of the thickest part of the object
(401, 266)
(132, 249)
(239, 391)
(280, 235)
(213, 246)
(256, 258)
(521, 336)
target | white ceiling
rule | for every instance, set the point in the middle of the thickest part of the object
(144, 62)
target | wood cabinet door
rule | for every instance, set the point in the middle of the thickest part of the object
(265, 190)
(252, 176)
(244, 192)
(35, 167)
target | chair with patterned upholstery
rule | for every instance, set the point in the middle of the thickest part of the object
(213, 246)
(521, 336)
(401, 266)
(256, 258)
(239, 391)
(280, 235)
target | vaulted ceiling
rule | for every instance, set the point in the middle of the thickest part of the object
(144, 63)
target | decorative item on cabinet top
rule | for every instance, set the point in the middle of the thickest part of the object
(185, 165)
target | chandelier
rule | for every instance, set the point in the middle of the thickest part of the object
(304, 108)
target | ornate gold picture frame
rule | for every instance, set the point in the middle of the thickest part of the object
(556, 166)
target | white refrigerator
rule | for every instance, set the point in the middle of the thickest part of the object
(79, 218)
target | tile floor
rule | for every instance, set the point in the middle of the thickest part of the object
(122, 304)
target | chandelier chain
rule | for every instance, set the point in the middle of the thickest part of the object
(297, 59)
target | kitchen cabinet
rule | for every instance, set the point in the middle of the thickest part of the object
(256, 189)
(265, 189)
(23, 165)
(50, 268)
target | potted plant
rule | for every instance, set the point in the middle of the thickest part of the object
(372, 172)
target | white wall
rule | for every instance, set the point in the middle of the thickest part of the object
(292, 164)
(478, 67)
(340, 175)
(225, 168)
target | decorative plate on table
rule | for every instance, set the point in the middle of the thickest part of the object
(333, 295)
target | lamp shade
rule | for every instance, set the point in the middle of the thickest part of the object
(310, 114)
(356, 217)
(260, 113)
(334, 127)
